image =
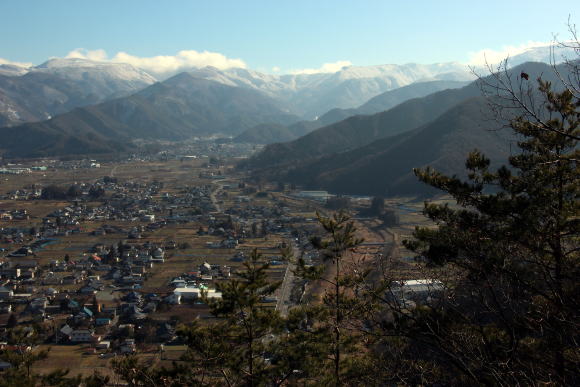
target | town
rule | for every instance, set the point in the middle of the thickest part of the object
(108, 258)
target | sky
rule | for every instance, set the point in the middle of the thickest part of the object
(276, 36)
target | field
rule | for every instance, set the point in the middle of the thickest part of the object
(192, 248)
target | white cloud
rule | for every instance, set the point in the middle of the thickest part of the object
(81, 53)
(9, 62)
(325, 68)
(489, 56)
(164, 64)
(276, 69)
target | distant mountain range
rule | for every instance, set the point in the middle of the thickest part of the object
(60, 85)
(269, 134)
(376, 154)
(76, 106)
(178, 108)
(29, 94)
(311, 95)
(384, 167)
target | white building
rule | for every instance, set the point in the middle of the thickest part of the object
(314, 195)
(195, 293)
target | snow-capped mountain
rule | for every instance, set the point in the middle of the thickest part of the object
(80, 69)
(311, 95)
(60, 85)
(544, 54)
(10, 70)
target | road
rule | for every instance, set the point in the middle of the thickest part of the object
(112, 173)
(213, 199)
(283, 303)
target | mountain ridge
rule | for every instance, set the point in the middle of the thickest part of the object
(181, 107)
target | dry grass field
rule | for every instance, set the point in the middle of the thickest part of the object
(192, 248)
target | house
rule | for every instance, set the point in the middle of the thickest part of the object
(4, 365)
(66, 332)
(148, 218)
(173, 299)
(103, 345)
(74, 305)
(22, 252)
(416, 290)
(134, 313)
(150, 307)
(51, 292)
(158, 253)
(138, 270)
(205, 268)
(83, 336)
(133, 297)
(10, 272)
(128, 346)
(25, 263)
(103, 321)
(51, 279)
(69, 280)
(6, 293)
(87, 290)
(110, 312)
(195, 293)
(86, 312)
(5, 308)
(165, 332)
(230, 243)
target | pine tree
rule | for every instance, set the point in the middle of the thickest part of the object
(330, 330)
(235, 349)
(511, 311)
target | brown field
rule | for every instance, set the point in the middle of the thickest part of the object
(177, 175)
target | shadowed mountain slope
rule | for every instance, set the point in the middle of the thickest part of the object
(179, 108)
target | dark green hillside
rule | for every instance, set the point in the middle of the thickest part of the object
(269, 134)
(385, 166)
(392, 98)
(358, 131)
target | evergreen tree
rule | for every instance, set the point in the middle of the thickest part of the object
(12, 321)
(377, 205)
(510, 252)
(22, 356)
(74, 191)
(330, 330)
(234, 349)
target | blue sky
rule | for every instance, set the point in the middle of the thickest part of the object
(276, 36)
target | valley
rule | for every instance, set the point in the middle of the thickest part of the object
(183, 220)
(155, 223)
